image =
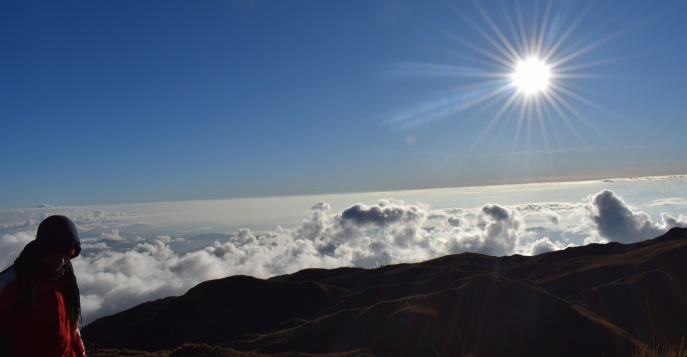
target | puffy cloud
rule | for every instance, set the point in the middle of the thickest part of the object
(383, 214)
(113, 236)
(244, 237)
(552, 213)
(501, 230)
(553, 217)
(617, 222)
(158, 249)
(116, 273)
(456, 221)
(112, 281)
(543, 245)
(388, 232)
(11, 245)
(11, 226)
(313, 227)
(670, 221)
(100, 246)
(497, 231)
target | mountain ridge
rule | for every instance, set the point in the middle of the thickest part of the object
(597, 299)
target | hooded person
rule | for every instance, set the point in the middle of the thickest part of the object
(40, 307)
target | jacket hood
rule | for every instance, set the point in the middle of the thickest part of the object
(57, 232)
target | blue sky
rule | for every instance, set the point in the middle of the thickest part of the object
(107, 102)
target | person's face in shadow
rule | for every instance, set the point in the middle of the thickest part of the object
(55, 260)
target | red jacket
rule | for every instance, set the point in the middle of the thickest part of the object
(39, 330)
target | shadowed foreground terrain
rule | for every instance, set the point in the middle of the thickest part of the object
(601, 299)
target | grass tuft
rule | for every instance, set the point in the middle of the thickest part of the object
(677, 349)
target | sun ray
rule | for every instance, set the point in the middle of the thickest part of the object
(443, 107)
(474, 47)
(602, 41)
(572, 128)
(523, 33)
(533, 30)
(577, 67)
(521, 76)
(566, 119)
(543, 126)
(544, 26)
(514, 55)
(578, 115)
(441, 70)
(542, 121)
(477, 115)
(528, 127)
(589, 102)
(547, 56)
(518, 128)
(504, 50)
(495, 119)
(511, 26)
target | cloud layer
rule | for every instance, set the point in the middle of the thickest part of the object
(118, 270)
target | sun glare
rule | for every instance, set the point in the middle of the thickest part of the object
(518, 70)
(531, 76)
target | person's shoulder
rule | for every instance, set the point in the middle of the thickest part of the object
(7, 276)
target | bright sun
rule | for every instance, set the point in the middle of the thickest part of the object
(531, 76)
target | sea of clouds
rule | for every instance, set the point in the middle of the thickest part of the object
(120, 266)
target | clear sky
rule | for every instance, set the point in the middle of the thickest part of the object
(105, 102)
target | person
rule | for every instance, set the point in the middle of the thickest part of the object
(39, 297)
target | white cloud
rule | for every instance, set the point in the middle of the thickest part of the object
(113, 236)
(117, 273)
(456, 221)
(11, 245)
(157, 249)
(671, 178)
(552, 217)
(615, 221)
(101, 246)
(383, 214)
(669, 202)
(668, 221)
(544, 245)
(496, 231)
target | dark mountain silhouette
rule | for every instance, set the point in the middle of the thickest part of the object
(600, 299)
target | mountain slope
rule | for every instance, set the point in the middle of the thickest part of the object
(592, 300)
